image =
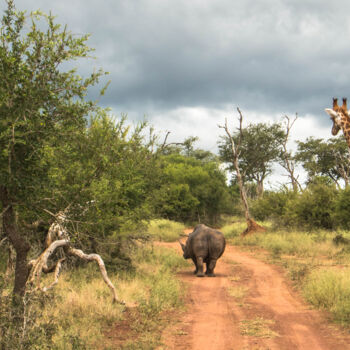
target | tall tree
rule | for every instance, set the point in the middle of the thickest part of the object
(287, 160)
(325, 158)
(39, 103)
(232, 150)
(260, 147)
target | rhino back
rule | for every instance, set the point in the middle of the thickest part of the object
(206, 242)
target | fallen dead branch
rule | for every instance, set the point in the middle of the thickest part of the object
(58, 237)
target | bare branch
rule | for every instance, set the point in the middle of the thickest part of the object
(4, 211)
(41, 261)
(164, 142)
(3, 241)
(57, 236)
(98, 259)
(57, 274)
(287, 163)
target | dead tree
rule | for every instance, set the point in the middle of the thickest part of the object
(252, 226)
(57, 237)
(286, 158)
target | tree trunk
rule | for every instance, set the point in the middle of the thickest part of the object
(260, 188)
(20, 245)
(252, 226)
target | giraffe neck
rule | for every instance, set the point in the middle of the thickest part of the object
(345, 125)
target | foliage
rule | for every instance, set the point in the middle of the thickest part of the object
(342, 209)
(325, 158)
(41, 105)
(312, 208)
(192, 190)
(260, 148)
(271, 205)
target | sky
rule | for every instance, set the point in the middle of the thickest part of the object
(186, 65)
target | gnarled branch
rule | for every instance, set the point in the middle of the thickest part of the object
(57, 237)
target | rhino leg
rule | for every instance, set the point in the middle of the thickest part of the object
(195, 264)
(200, 267)
(210, 268)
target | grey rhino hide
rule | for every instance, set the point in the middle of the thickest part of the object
(204, 245)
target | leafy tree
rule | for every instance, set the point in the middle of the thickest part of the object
(192, 189)
(40, 104)
(325, 158)
(260, 148)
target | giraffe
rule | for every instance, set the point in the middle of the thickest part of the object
(341, 119)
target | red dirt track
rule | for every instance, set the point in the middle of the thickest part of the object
(213, 319)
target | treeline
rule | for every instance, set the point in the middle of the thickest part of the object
(320, 205)
(322, 202)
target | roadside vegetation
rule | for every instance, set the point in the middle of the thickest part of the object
(79, 314)
(115, 188)
(318, 262)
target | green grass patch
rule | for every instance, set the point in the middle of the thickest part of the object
(329, 290)
(165, 230)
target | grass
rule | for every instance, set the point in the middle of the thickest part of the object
(81, 310)
(258, 327)
(329, 290)
(237, 292)
(165, 230)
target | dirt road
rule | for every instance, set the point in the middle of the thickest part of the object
(249, 306)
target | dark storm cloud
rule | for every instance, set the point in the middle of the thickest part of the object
(272, 56)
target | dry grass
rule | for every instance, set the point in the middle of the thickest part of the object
(82, 304)
(237, 292)
(258, 327)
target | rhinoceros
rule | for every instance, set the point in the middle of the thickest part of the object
(204, 244)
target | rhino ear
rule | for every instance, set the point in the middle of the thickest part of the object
(182, 246)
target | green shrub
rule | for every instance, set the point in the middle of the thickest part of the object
(271, 204)
(342, 208)
(312, 208)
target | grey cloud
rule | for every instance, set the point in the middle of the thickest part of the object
(273, 56)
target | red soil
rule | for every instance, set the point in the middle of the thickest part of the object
(213, 318)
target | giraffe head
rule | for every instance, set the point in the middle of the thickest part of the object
(339, 116)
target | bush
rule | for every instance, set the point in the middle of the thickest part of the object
(313, 208)
(342, 209)
(271, 205)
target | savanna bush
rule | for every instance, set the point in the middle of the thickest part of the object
(271, 204)
(342, 209)
(312, 208)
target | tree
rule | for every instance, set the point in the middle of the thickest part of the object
(325, 158)
(287, 160)
(235, 153)
(40, 105)
(192, 189)
(259, 149)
